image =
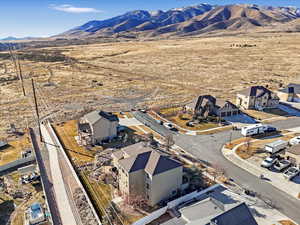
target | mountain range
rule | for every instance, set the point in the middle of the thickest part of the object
(199, 19)
(10, 38)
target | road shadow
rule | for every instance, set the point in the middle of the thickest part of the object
(296, 179)
(256, 213)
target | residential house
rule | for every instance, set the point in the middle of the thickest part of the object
(257, 97)
(216, 207)
(291, 93)
(226, 109)
(147, 173)
(97, 126)
(36, 214)
(207, 105)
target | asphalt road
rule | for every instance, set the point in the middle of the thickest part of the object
(207, 148)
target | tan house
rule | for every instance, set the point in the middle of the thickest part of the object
(257, 97)
(207, 105)
(96, 127)
(147, 173)
(291, 93)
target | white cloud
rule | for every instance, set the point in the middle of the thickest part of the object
(73, 9)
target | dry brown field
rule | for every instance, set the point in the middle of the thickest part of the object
(120, 75)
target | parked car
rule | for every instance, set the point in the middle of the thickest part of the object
(268, 162)
(168, 125)
(271, 129)
(282, 164)
(295, 141)
(291, 172)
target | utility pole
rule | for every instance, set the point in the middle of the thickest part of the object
(36, 109)
(21, 78)
(17, 68)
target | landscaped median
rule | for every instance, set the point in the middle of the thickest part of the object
(243, 149)
(179, 121)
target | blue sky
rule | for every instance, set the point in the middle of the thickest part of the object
(21, 18)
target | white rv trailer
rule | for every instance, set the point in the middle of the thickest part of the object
(254, 129)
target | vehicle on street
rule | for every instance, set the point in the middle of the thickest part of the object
(276, 146)
(291, 172)
(295, 141)
(257, 129)
(269, 162)
(168, 125)
(282, 164)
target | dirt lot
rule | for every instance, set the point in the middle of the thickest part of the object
(248, 150)
(13, 151)
(120, 75)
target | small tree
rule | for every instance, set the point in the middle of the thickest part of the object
(169, 141)
(219, 171)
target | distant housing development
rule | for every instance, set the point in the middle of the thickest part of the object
(96, 127)
(257, 97)
(147, 173)
(291, 93)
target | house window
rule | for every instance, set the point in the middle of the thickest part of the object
(148, 197)
(147, 186)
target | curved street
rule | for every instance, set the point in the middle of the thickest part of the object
(207, 148)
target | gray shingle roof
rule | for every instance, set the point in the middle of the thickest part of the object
(239, 215)
(256, 91)
(95, 116)
(217, 206)
(149, 160)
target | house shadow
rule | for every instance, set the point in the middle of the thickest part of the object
(296, 179)
(289, 109)
(271, 135)
(129, 137)
(6, 209)
(241, 118)
(218, 193)
(5, 147)
(277, 112)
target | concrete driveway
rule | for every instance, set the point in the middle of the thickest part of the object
(242, 118)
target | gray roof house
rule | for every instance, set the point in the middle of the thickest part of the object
(145, 172)
(216, 207)
(97, 126)
(290, 93)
